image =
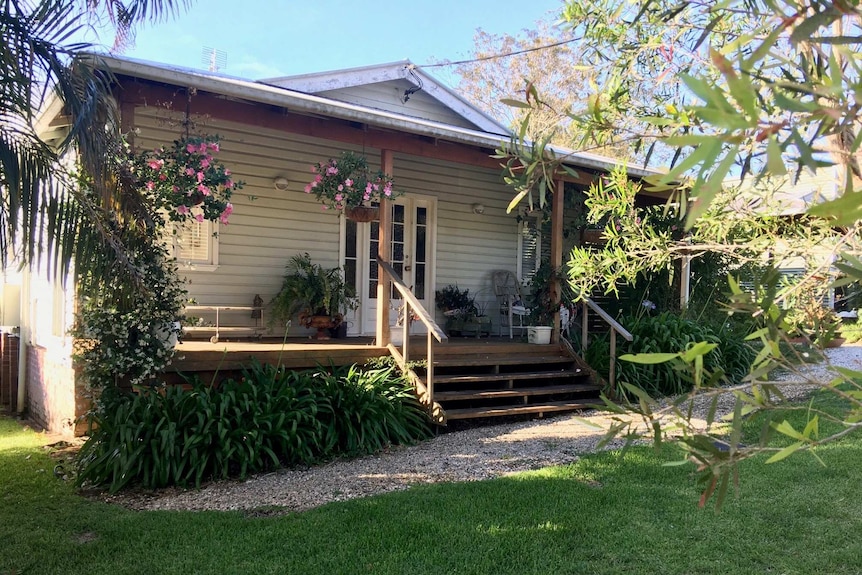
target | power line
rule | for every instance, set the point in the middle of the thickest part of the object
(505, 55)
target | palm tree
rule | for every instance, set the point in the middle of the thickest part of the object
(46, 214)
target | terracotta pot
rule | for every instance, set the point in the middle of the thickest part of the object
(361, 213)
(322, 323)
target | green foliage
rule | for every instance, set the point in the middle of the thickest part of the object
(670, 333)
(368, 410)
(130, 337)
(311, 289)
(271, 417)
(456, 301)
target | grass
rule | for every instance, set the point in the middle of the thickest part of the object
(601, 515)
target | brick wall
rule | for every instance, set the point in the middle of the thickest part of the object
(55, 398)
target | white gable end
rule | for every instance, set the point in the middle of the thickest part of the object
(384, 88)
(390, 96)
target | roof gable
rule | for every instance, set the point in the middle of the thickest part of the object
(399, 87)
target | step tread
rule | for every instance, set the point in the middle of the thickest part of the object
(516, 410)
(498, 393)
(502, 360)
(524, 375)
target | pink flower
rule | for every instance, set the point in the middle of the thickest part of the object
(175, 188)
(156, 164)
(199, 217)
(368, 188)
(331, 171)
(151, 185)
(317, 179)
(366, 197)
(227, 172)
(200, 177)
(228, 184)
(190, 172)
(340, 188)
(348, 182)
(182, 209)
(308, 187)
(205, 163)
(338, 197)
(228, 210)
(214, 147)
(162, 177)
(190, 148)
(204, 190)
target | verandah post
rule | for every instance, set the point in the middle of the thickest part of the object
(384, 285)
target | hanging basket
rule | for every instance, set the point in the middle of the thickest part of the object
(361, 213)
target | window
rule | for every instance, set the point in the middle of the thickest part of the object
(529, 248)
(196, 246)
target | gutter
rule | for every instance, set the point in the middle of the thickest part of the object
(261, 93)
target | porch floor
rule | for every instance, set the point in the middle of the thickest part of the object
(227, 357)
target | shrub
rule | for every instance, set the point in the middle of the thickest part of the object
(669, 333)
(272, 417)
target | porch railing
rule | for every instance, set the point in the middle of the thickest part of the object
(414, 310)
(616, 328)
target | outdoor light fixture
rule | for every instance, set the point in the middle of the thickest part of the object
(280, 183)
(478, 209)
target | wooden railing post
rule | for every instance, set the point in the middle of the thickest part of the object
(429, 371)
(585, 327)
(612, 370)
(405, 332)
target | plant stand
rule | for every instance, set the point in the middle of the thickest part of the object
(470, 327)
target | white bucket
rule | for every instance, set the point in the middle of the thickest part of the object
(539, 335)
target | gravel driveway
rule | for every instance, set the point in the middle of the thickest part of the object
(470, 455)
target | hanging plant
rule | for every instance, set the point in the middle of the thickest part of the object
(185, 180)
(347, 182)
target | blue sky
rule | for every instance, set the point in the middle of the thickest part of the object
(285, 37)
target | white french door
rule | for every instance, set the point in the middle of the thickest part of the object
(411, 254)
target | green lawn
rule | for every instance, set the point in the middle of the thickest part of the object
(602, 515)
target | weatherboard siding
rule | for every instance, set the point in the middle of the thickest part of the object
(388, 95)
(269, 226)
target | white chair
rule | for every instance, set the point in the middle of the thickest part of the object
(512, 308)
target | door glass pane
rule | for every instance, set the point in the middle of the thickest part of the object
(350, 240)
(419, 281)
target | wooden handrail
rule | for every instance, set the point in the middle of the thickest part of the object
(418, 310)
(414, 308)
(608, 319)
(616, 328)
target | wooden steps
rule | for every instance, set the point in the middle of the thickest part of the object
(542, 408)
(508, 379)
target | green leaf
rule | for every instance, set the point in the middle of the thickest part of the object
(515, 103)
(786, 452)
(787, 429)
(843, 211)
(649, 358)
(774, 162)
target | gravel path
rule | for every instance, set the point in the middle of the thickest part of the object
(470, 455)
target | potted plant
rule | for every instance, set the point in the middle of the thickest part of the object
(463, 316)
(347, 184)
(318, 295)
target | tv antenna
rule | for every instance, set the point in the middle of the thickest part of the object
(214, 59)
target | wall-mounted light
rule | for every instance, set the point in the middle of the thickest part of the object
(478, 209)
(280, 183)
